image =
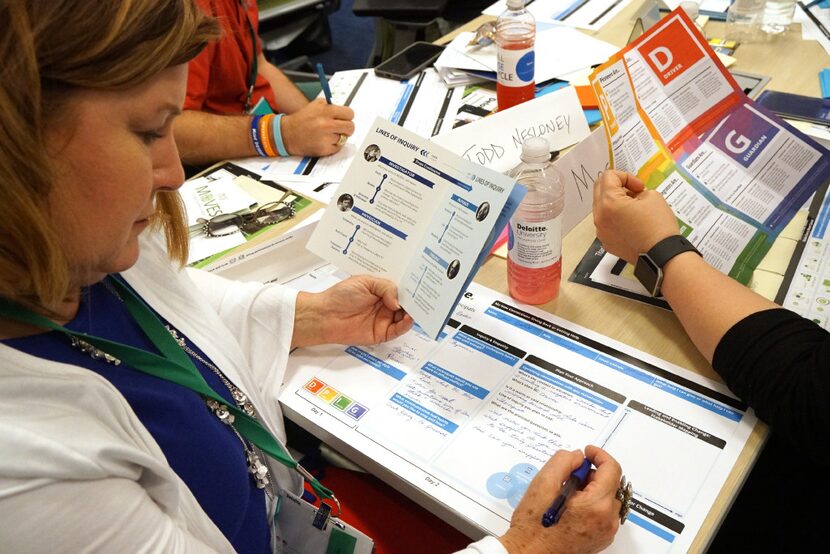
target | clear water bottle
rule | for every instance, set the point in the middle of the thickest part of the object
(692, 9)
(534, 244)
(778, 14)
(744, 19)
(515, 36)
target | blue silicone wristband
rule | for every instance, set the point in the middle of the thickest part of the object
(276, 132)
(255, 136)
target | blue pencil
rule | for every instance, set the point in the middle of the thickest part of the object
(324, 82)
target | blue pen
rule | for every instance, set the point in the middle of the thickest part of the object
(574, 483)
(324, 82)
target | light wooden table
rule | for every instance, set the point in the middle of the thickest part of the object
(793, 65)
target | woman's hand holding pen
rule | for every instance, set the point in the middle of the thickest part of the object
(592, 516)
(315, 129)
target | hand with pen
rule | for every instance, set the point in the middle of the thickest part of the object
(320, 128)
(586, 519)
(317, 129)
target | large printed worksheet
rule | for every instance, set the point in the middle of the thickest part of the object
(413, 212)
(464, 423)
(733, 172)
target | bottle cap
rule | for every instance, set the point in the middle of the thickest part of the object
(536, 149)
(515, 4)
(691, 8)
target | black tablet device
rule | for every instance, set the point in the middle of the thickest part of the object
(410, 61)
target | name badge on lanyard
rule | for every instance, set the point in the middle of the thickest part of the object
(303, 528)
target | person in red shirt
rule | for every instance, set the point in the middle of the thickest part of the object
(229, 79)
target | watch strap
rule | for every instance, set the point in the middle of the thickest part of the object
(670, 247)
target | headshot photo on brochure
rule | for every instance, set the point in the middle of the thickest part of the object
(452, 269)
(372, 153)
(483, 211)
(345, 202)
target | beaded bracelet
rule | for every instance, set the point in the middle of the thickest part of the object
(255, 138)
(276, 132)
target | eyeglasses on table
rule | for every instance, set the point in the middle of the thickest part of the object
(267, 214)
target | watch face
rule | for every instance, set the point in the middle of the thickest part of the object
(647, 272)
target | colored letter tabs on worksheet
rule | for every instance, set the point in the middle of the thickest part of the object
(415, 213)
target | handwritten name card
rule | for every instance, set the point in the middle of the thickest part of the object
(496, 140)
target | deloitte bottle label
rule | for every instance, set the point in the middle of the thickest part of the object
(535, 244)
(515, 67)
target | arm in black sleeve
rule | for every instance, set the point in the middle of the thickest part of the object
(779, 364)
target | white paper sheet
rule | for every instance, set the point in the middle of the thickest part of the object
(579, 168)
(496, 141)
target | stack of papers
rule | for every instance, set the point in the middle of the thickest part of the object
(560, 51)
(584, 14)
(453, 77)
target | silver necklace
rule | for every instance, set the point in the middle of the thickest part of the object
(256, 467)
(94, 352)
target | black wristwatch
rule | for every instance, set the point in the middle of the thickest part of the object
(649, 267)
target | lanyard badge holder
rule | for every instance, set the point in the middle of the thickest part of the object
(175, 365)
(303, 528)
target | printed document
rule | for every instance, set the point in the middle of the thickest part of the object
(805, 289)
(413, 212)
(423, 104)
(468, 420)
(734, 173)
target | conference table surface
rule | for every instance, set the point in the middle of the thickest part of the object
(651, 329)
(793, 65)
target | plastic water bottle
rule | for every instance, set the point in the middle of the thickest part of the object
(743, 20)
(515, 35)
(534, 244)
(692, 9)
(778, 14)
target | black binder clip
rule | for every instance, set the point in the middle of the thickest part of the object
(322, 516)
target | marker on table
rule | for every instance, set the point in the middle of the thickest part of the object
(324, 82)
(574, 483)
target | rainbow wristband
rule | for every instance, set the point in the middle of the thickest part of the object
(276, 132)
(265, 135)
(255, 138)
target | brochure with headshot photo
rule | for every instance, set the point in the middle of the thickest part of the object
(417, 214)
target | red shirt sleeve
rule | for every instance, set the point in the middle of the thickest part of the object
(198, 70)
(198, 79)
